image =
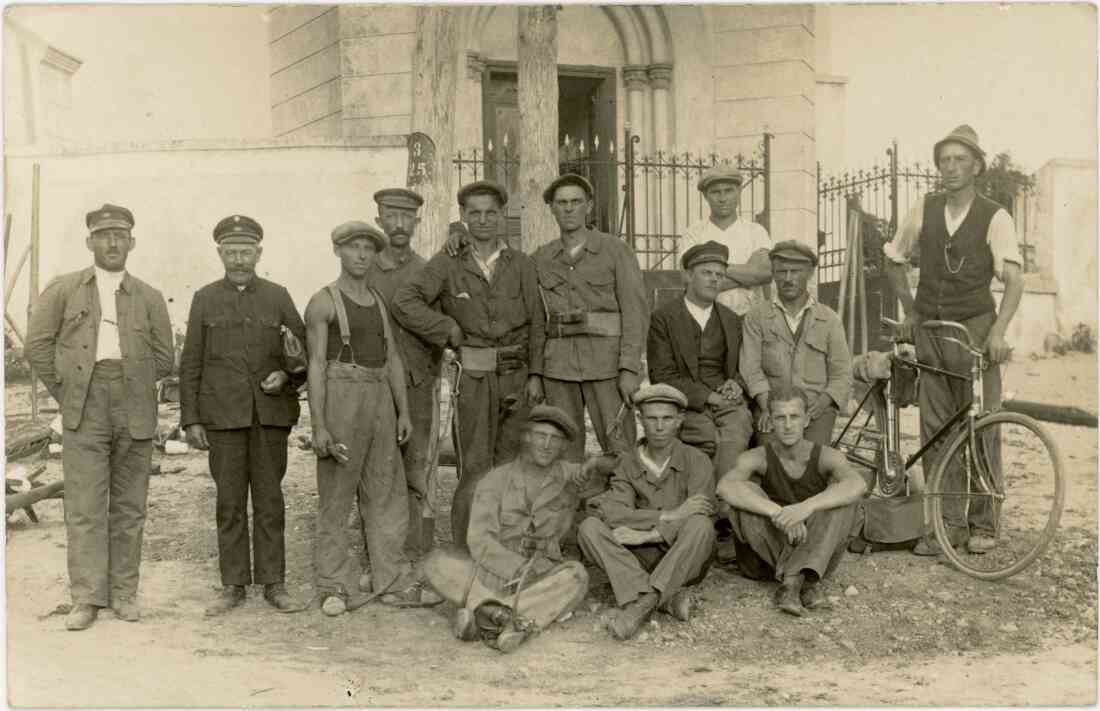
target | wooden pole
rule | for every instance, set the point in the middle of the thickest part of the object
(842, 301)
(435, 68)
(14, 278)
(537, 48)
(35, 254)
(861, 275)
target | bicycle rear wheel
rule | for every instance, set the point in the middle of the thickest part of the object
(1010, 480)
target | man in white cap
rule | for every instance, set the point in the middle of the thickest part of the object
(965, 240)
(748, 270)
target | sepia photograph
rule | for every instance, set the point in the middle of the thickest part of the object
(578, 355)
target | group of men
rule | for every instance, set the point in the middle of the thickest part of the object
(543, 339)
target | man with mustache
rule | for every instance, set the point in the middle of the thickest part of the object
(239, 400)
(965, 241)
(748, 242)
(99, 339)
(793, 340)
(395, 265)
(491, 313)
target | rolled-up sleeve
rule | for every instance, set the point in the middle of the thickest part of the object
(900, 249)
(1003, 242)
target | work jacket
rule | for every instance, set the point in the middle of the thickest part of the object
(62, 336)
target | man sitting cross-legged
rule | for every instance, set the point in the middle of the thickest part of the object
(653, 533)
(516, 581)
(794, 503)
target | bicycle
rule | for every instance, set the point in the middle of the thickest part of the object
(1001, 461)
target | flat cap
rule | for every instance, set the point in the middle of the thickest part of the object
(722, 172)
(568, 179)
(709, 251)
(482, 187)
(238, 228)
(660, 392)
(108, 217)
(350, 230)
(794, 251)
(554, 416)
(399, 197)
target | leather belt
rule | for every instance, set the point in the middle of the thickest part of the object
(592, 323)
(492, 359)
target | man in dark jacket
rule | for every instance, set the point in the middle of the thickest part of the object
(238, 400)
(694, 344)
(100, 339)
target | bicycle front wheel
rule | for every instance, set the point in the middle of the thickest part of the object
(1008, 483)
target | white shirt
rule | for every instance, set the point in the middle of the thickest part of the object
(700, 314)
(107, 283)
(793, 320)
(743, 238)
(1001, 236)
(487, 265)
(658, 470)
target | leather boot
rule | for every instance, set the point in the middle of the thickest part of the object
(81, 617)
(633, 615)
(229, 597)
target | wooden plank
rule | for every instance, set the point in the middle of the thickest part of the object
(13, 502)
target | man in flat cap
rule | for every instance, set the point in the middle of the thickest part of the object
(597, 319)
(794, 504)
(99, 339)
(965, 241)
(395, 265)
(515, 582)
(491, 313)
(748, 270)
(239, 400)
(793, 340)
(652, 532)
(360, 417)
(694, 345)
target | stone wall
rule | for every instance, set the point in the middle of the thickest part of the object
(178, 192)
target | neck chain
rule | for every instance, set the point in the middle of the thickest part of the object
(947, 261)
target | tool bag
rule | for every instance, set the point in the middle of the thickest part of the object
(888, 523)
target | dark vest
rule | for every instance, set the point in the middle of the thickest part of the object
(955, 272)
(368, 336)
(712, 352)
(786, 491)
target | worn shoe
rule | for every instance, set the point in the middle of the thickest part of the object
(980, 543)
(365, 582)
(679, 606)
(126, 608)
(416, 595)
(813, 597)
(929, 546)
(509, 640)
(493, 617)
(464, 625)
(788, 598)
(277, 596)
(229, 597)
(81, 617)
(633, 615)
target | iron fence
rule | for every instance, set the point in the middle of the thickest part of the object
(649, 200)
(885, 193)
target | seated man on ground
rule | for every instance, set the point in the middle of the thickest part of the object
(794, 502)
(652, 533)
(514, 582)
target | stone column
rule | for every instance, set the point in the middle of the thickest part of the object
(637, 82)
(660, 80)
(471, 121)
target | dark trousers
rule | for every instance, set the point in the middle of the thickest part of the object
(941, 397)
(764, 553)
(637, 570)
(106, 485)
(602, 400)
(491, 414)
(252, 461)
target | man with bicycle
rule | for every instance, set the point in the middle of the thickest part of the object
(964, 240)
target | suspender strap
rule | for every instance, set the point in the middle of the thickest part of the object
(345, 328)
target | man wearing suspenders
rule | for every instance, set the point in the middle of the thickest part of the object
(360, 417)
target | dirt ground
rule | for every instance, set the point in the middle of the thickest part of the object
(904, 630)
